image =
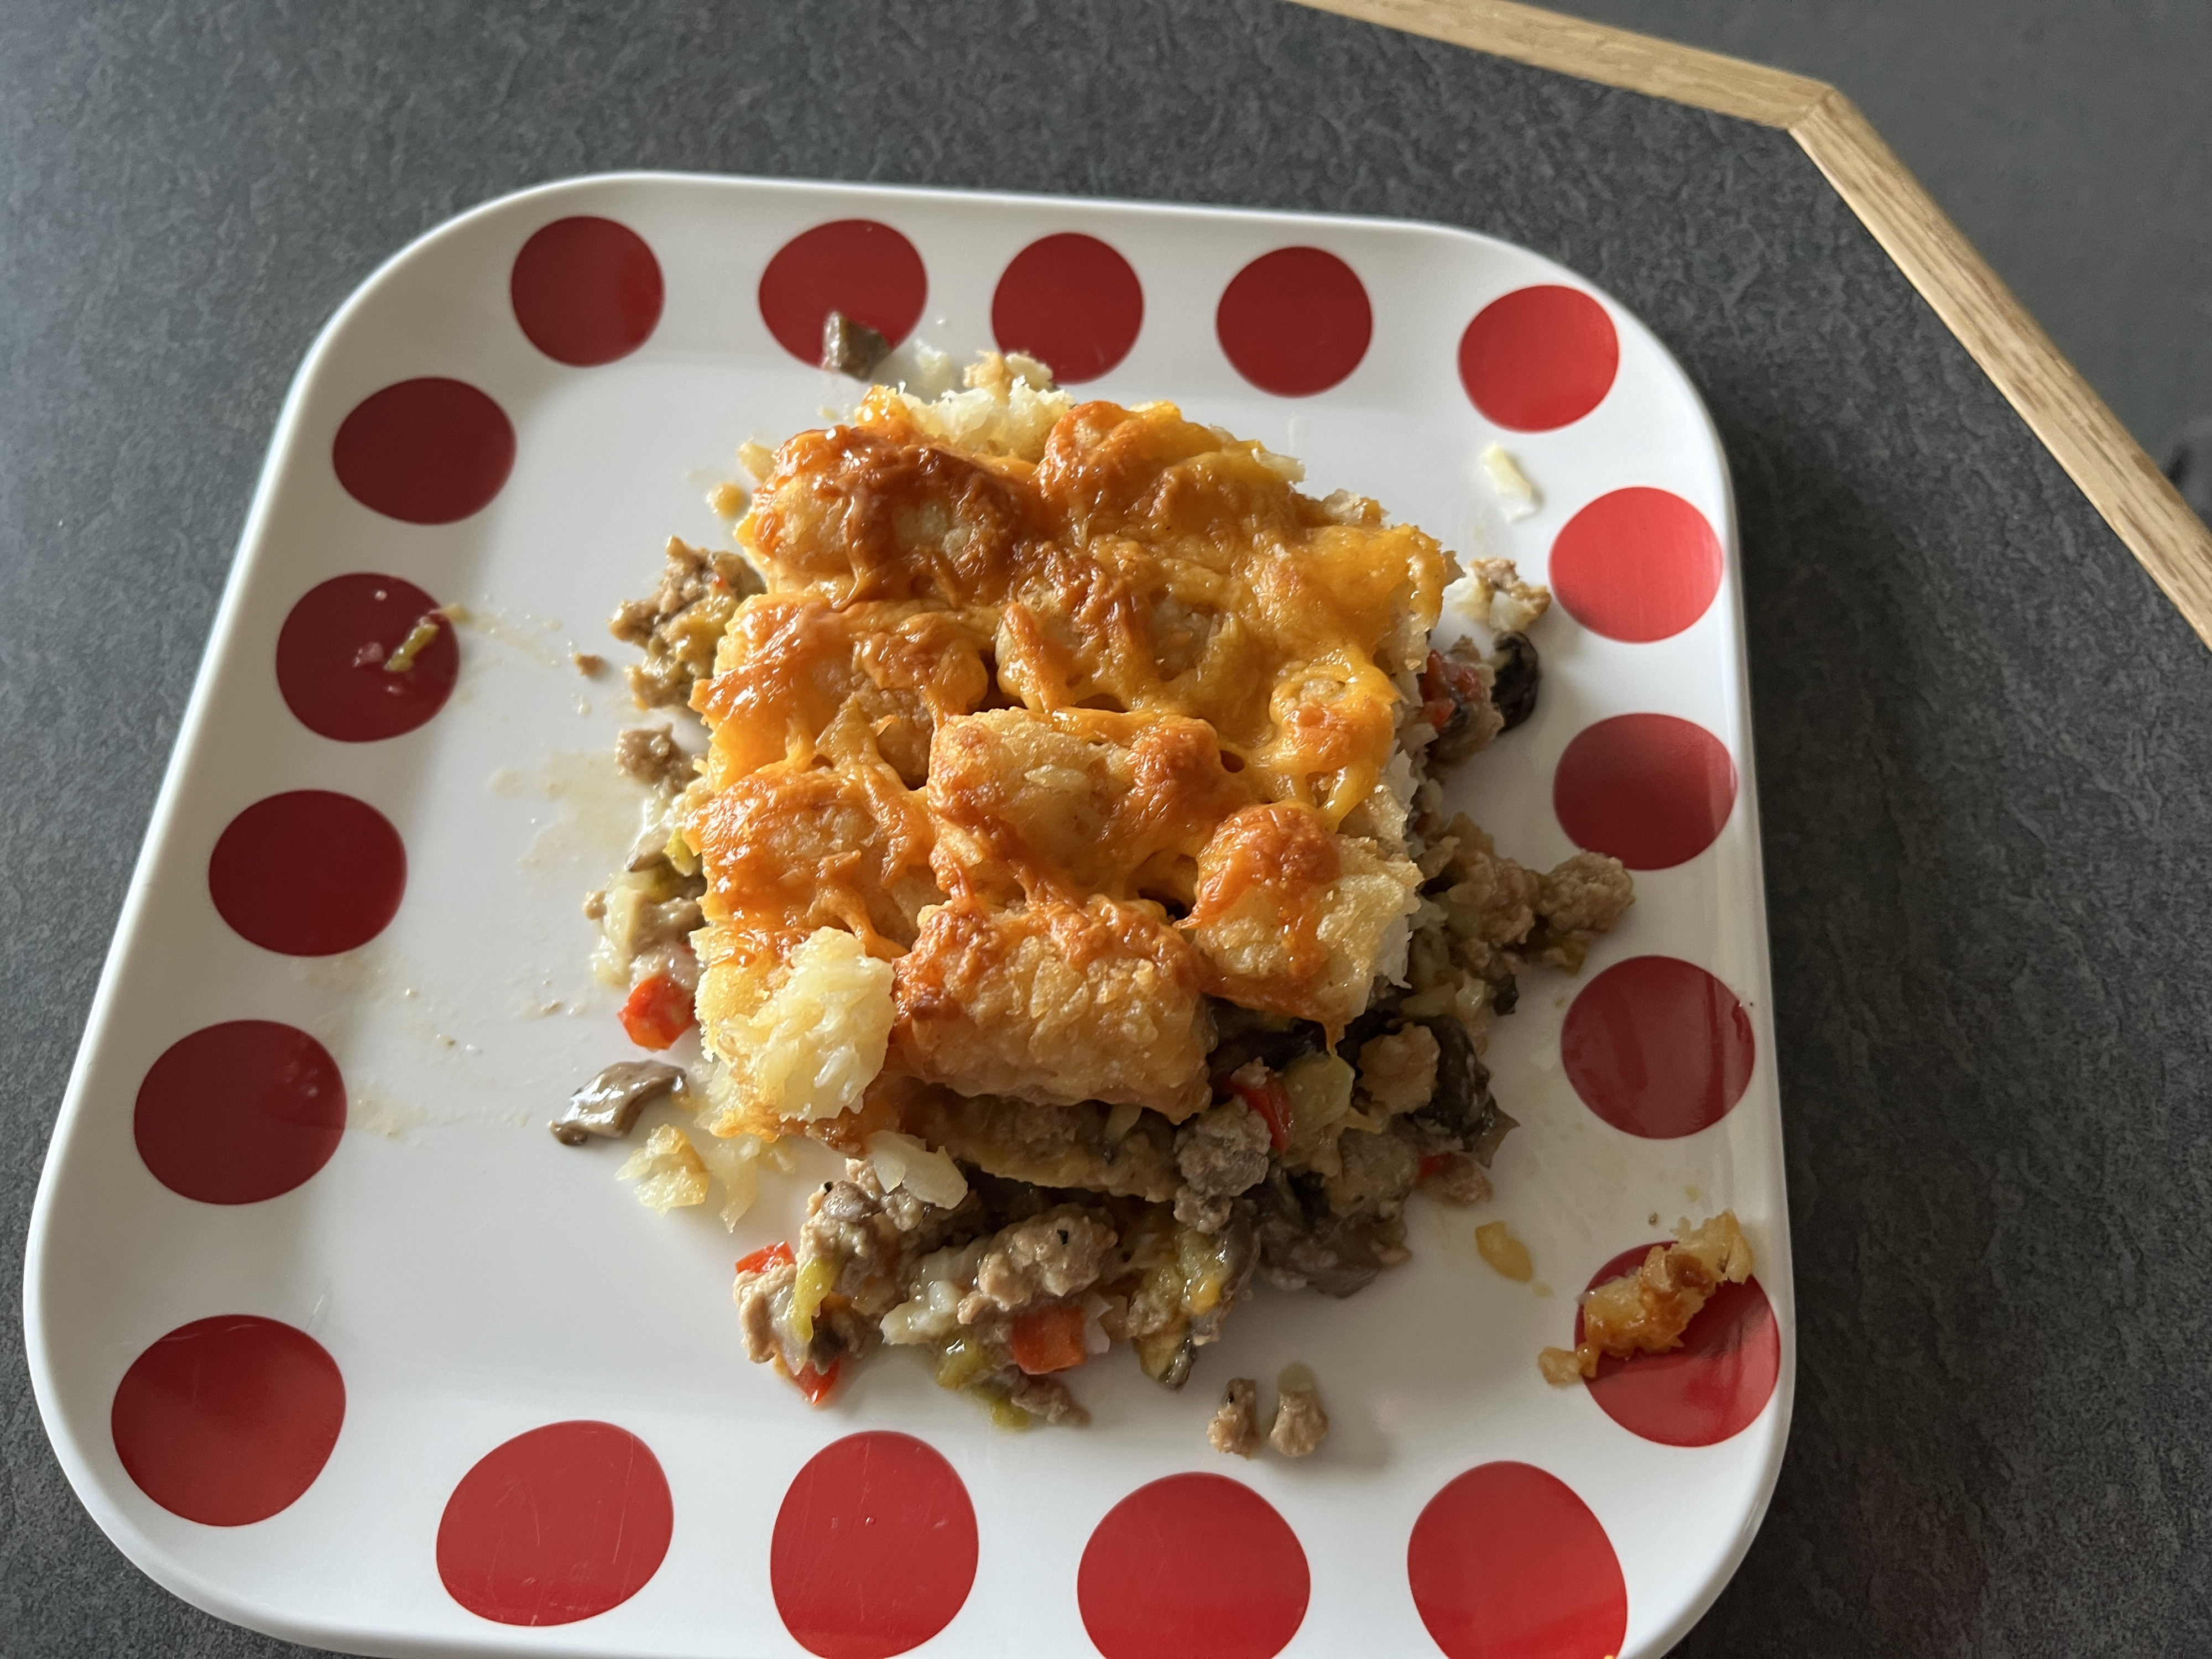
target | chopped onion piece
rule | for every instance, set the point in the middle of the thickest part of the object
(929, 1174)
(1510, 483)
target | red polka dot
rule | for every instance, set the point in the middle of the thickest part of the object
(1142, 1598)
(332, 651)
(1651, 790)
(1539, 358)
(240, 1112)
(587, 291)
(1295, 322)
(555, 1525)
(1636, 565)
(227, 1420)
(1073, 302)
(874, 1548)
(427, 451)
(1658, 1047)
(864, 269)
(1710, 1389)
(308, 873)
(1507, 1563)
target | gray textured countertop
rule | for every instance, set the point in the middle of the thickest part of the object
(1985, 765)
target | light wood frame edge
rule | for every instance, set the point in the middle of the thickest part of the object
(2073, 423)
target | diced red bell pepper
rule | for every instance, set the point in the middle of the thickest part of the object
(1267, 1097)
(1446, 685)
(817, 1385)
(658, 1012)
(1432, 1162)
(1049, 1339)
(777, 1254)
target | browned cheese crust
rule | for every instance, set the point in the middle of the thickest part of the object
(1067, 740)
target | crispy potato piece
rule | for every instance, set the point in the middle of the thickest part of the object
(1647, 1310)
(1076, 802)
(1294, 920)
(1055, 1002)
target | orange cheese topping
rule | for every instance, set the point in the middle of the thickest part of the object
(1137, 665)
(1145, 564)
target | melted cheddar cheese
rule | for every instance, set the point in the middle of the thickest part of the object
(1075, 732)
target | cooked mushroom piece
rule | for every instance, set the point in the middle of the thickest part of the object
(1243, 1036)
(1513, 692)
(1462, 1115)
(1463, 1110)
(608, 1105)
(851, 348)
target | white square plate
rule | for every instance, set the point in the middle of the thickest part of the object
(444, 1278)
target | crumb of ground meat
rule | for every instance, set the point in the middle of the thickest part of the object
(1576, 902)
(1647, 1310)
(650, 754)
(683, 623)
(845, 1225)
(758, 1297)
(1489, 902)
(1375, 1173)
(1496, 595)
(1236, 1427)
(595, 904)
(1046, 1398)
(1300, 1423)
(1054, 1254)
(1398, 1071)
(1485, 918)
(1455, 1178)
(588, 663)
(1503, 1252)
(1221, 1152)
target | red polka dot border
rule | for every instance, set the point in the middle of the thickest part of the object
(555, 1525)
(587, 291)
(1295, 322)
(858, 266)
(874, 1548)
(1710, 1389)
(309, 873)
(1507, 1563)
(332, 651)
(1073, 302)
(1651, 790)
(1539, 358)
(1141, 1600)
(240, 1112)
(226, 1421)
(1636, 565)
(425, 451)
(1658, 1047)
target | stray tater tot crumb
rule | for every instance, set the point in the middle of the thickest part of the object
(1647, 1310)
(1300, 1424)
(1235, 1429)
